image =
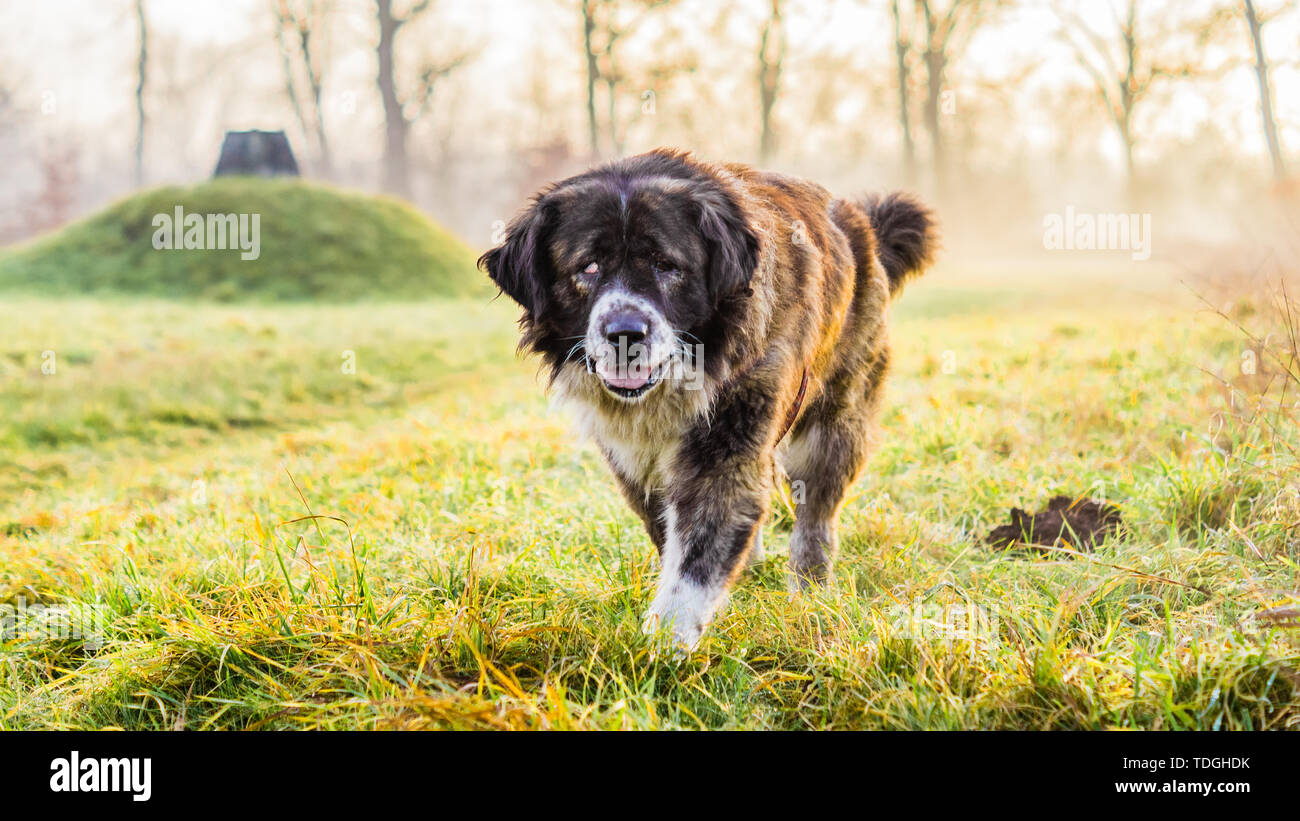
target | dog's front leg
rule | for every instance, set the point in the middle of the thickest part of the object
(703, 552)
(716, 500)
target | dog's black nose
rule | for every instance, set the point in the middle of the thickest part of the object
(626, 329)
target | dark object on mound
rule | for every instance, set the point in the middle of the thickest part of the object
(1077, 523)
(256, 154)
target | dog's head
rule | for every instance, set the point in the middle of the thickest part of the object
(625, 268)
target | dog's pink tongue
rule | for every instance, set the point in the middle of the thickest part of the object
(634, 378)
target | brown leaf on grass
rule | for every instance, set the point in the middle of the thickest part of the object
(1077, 523)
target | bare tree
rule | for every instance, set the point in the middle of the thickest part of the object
(945, 32)
(401, 112)
(603, 28)
(296, 26)
(771, 59)
(902, 48)
(588, 9)
(142, 63)
(1124, 67)
(1256, 25)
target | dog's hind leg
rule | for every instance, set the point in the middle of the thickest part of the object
(823, 461)
(831, 441)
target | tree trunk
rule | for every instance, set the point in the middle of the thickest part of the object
(904, 108)
(286, 65)
(1128, 100)
(1265, 94)
(611, 111)
(396, 166)
(934, 65)
(771, 59)
(588, 28)
(1130, 168)
(314, 82)
(771, 56)
(936, 61)
(139, 93)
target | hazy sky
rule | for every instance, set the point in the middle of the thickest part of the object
(80, 55)
(83, 50)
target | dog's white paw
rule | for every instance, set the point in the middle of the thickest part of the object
(676, 630)
(681, 614)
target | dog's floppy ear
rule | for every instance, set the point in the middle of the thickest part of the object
(733, 245)
(521, 266)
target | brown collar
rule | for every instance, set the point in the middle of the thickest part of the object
(794, 409)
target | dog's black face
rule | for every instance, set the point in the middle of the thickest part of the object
(626, 268)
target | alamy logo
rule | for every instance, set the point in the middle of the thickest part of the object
(21, 621)
(1073, 231)
(210, 232)
(951, 623)
(684, 366)
(77, 774)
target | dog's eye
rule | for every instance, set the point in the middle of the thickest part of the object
(663, 267)
(589, 274)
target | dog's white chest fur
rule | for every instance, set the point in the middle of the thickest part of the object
(641, 438)
(638, 457)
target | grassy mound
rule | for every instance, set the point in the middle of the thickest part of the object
(315, 243)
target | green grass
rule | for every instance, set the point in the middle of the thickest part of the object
(478, 569)
(316, 242)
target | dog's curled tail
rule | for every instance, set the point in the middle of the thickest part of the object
(907, 235)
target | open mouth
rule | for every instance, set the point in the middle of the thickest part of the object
(629, 387)
(628, 383)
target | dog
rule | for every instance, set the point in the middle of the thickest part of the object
(716, 329)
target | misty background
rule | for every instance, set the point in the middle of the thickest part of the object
(999, 111)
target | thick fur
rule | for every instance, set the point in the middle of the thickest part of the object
(748, 280)
(906, 231)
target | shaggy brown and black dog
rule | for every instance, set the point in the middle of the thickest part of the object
(712, 326)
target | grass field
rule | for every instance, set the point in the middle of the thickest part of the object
(473, 565)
